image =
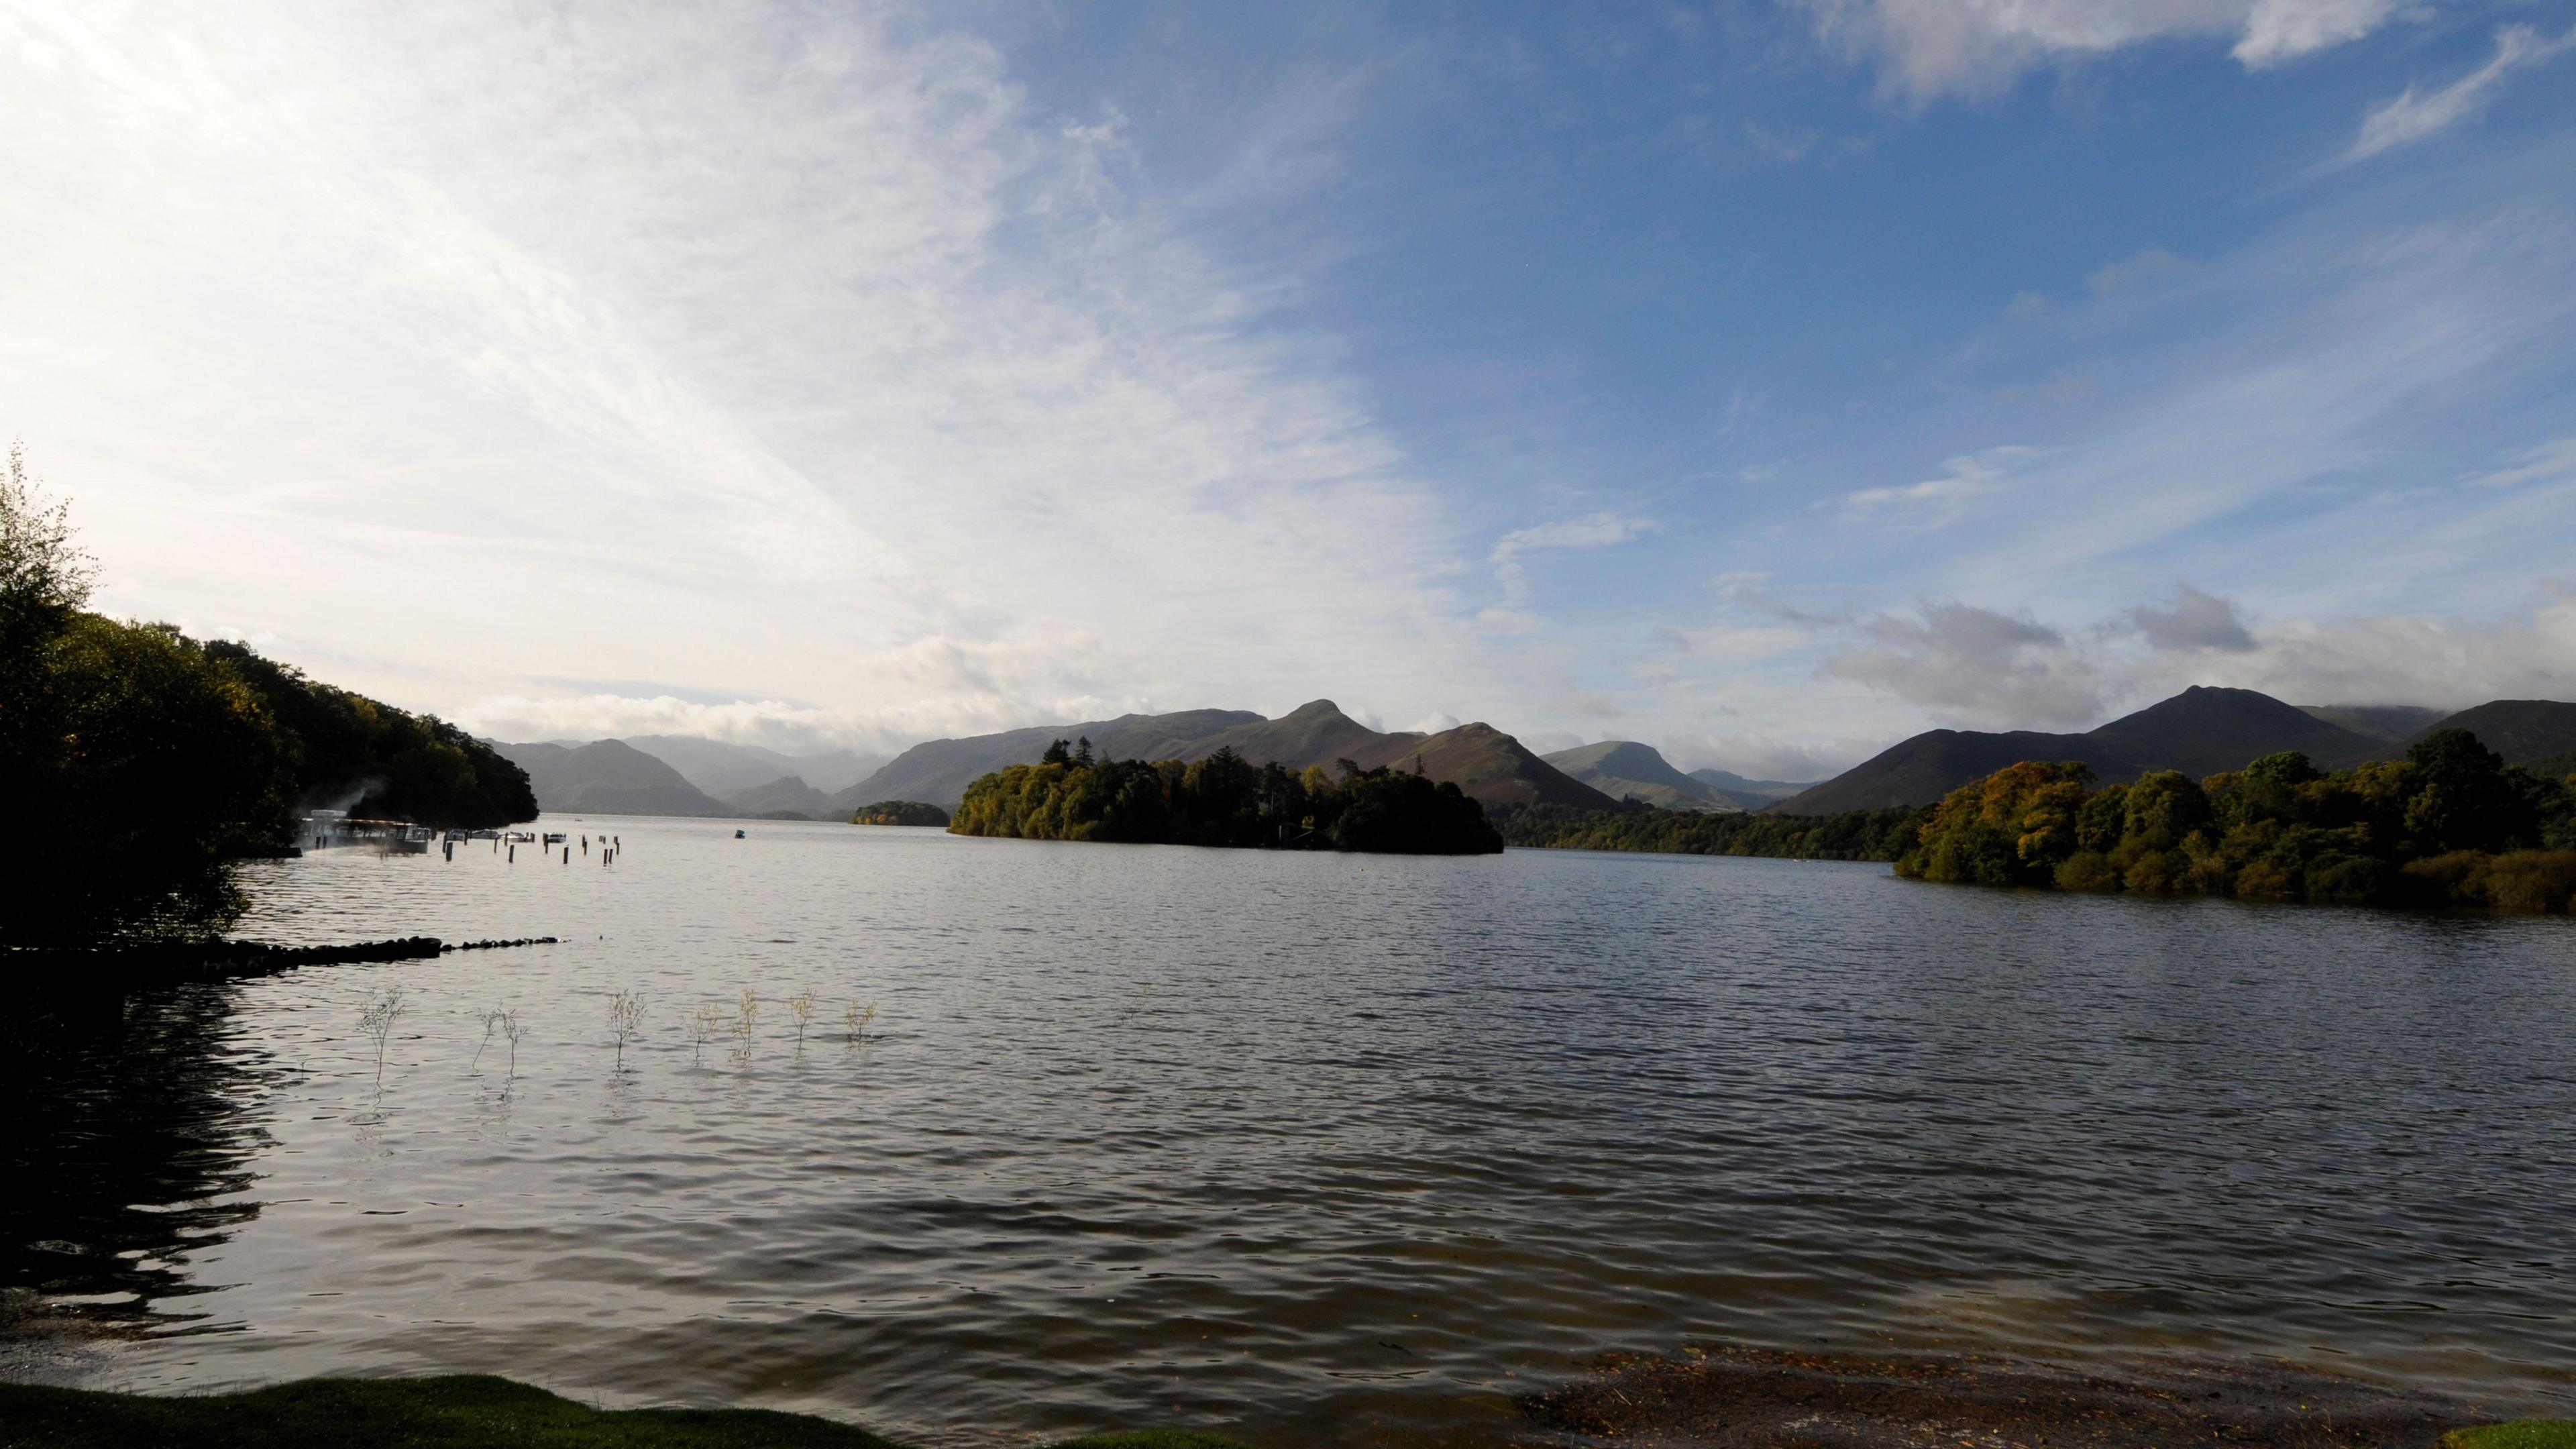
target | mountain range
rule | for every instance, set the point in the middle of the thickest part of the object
(1751, 794)
(725, 770)
(2200, 731)
(607, 777)
(1627, 770)
(1483, 761)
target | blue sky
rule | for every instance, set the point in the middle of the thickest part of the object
(1763, 381)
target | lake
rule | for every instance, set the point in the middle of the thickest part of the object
(1318, 1149)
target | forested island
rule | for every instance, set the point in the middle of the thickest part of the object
(899, 812)
(1224, 800)
(141, 762)
(2449, 825)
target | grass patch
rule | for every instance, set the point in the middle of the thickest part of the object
(460, 1411)
(2520, 1434)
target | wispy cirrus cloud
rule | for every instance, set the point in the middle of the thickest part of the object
(2144, 266)
(1928, 49)
(1938, 501)
(2415, 115)
(758, 347)
(2534, 465)
(1593, 530)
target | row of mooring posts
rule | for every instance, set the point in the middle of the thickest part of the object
(609, 846)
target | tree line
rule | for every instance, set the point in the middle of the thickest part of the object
(1854, 835)
(139, 763)
(1224, 800)
(2449, 825)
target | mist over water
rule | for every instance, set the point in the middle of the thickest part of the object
(1316, 1148)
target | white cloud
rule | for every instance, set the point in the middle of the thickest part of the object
(1934, 502)
(1927, 49)
(1975, 666)
(2280, 30)
(2025, 305)
(2386, 659)
(2193, 621)
(745, 346)
(1596, 530)
(2414, 115)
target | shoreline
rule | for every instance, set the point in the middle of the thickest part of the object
(1719, 1396)
(1737, 1397)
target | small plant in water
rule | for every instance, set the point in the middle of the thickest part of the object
(745, 1019)
(377, 1020)
(491, 1024)
(801, 1006)
(703, 1027)
(508, 1022)
(625, 1019)
(856, 1018)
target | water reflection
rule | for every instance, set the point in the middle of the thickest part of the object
(135, 1129)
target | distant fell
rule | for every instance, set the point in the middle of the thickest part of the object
(787, 793)
(1627, 770)
(938, 771)
(1315, 733)
(2200, 731)
(1920, 770)
(2524, 731)
(607, 777)
(724, 769)
(1484, 762)
(2394, 722)
(2204, 730)
(1751, 794)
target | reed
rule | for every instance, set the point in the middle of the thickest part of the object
(855, 1020)
(625, 1021)
(801, 1006)
(491, 1023)
(377, 1020)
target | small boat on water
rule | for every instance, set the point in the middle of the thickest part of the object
(738, 835)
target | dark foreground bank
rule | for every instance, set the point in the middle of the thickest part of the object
(1748, 1398)
(1733, 1398)
(462, 1411)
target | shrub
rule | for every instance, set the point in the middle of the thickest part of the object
(2158, 873)
(2349, 880)
(2087, 870)
(2532, 880)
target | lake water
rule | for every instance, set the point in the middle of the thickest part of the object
(1321, 1149)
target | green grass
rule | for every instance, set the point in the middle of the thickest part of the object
(2520, 1434)
(462, 1411)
